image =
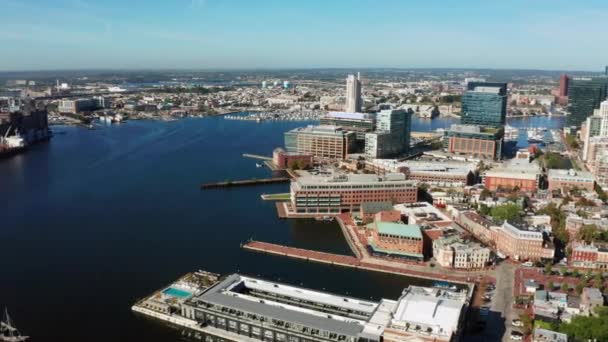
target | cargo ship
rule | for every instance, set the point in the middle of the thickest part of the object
(11, 145)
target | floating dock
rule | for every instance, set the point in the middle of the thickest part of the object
(227, 184)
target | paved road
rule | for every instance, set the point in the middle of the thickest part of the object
(501, 313)
(503, 299)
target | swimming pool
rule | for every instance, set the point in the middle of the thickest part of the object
(171, 291)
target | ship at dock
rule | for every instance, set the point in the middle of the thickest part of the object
(21, 126)
(8, 330)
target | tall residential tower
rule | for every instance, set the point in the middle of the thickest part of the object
(485, 104)
(353, 94)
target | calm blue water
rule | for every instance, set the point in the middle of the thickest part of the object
(97, 219)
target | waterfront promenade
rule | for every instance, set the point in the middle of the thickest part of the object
(384, 266)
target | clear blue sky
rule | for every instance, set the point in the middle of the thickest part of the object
(75, 34)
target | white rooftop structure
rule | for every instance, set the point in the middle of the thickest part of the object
(570, 175)
(434, 311)
(351, 116)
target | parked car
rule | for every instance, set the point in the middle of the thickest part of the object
(528, 264)
(516, 336)
(517, 323)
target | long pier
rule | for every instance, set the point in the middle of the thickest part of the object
(350, 261)
(227, 184)
(256, 156)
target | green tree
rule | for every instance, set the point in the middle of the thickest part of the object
(485, 193)
(583, 328)
(564, 287)
(589, 233)
(527, 321)
(550, 286)
(506, 212)
(484, 209)
(548, 268)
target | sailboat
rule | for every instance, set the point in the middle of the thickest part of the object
(8, 332)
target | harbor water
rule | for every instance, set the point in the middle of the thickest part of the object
(97, 219)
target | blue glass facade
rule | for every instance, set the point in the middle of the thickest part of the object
(585, 95)
(485, 104)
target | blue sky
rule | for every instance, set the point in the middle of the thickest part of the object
(77, 34)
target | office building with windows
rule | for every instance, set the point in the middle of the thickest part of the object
(392, 135)
(360, 123)
(323, 142)
(318, 194)
(484, 104)
(585, 94)
(353, 94)
(476, 141)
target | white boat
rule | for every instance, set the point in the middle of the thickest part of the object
(258, 165)
(8, 331)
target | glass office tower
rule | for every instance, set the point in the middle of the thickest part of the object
(485, 104)
(584, 95)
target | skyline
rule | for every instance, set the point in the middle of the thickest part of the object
(222, 35)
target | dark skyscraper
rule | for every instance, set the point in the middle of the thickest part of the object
(485, 104)
(585, 94)
(563, 85)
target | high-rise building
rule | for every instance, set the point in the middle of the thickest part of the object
(353, 94)
(584, 95)
(563, 85)
(392, 136)
(323, 142)
(603, 114)
(485, 104)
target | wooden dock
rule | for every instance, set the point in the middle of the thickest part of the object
(349, 261)
(245, 182)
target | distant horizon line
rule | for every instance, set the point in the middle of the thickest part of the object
(255, 69)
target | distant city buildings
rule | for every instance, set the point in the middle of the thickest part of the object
(353, 94)
(78, 105)
(584, 96)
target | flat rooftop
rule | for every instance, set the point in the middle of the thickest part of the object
(234, 292)
(306, 178)
(349, 116)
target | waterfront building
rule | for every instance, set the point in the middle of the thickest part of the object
(291, 160)
(77, 106)
(395, 240)
(423, 214)
(238, 307)
(484, 104)
(475, 141)
(269, 311)
(392, 135)
(441, 173)
(584, 95)
(360, 123)
(323, 142)
(427, 314)
(565, 180)
(353, 94)
(522, 243)
(317, 194)
(517, 173)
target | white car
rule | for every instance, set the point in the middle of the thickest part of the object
(517, 323)
(528, 264)
(516, 336)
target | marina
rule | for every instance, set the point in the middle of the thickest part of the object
(277, 116)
